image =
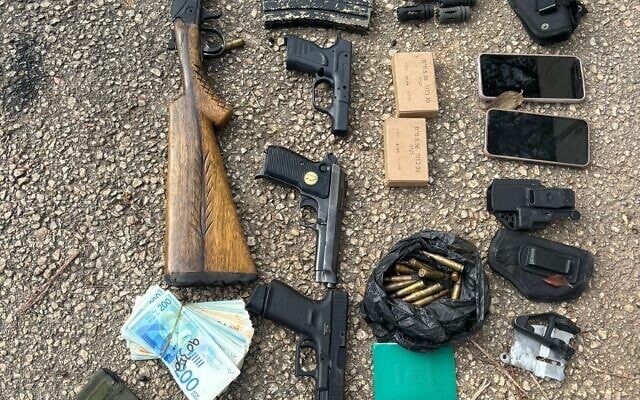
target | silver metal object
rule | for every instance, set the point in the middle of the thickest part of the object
(528, 353)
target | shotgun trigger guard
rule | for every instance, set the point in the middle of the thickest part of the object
(305, 343)
(209, 51)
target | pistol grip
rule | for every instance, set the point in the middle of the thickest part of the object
(340, 116)
(288, 168)
(304, 56)
(280, 303)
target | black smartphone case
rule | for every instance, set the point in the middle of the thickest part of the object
(526, 261)
(549, 21)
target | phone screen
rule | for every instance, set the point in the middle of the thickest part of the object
(537, 137)
(539, 77)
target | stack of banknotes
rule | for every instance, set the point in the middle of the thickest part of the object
(202, 344)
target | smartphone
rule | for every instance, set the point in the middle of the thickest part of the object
(516, 135)
(542, 79)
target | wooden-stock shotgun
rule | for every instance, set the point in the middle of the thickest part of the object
(204, 243)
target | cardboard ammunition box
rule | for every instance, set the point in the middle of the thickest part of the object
(405, 152)
(414, 85)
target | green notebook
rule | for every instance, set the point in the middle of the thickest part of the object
(401, 374)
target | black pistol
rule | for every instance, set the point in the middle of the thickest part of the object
(321, 325)
(330, 65)
(322, 186)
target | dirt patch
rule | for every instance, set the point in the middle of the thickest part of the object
(22, 75)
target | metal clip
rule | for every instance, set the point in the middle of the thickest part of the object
(542, 349)
(546, 6)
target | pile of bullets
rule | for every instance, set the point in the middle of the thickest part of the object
(418, 283)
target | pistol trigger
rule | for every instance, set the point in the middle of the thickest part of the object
(304, 343)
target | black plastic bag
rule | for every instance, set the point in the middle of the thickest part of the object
(440, 323)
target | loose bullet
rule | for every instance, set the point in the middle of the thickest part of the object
(431, 274)
(430, 299)
(403, 269)
(426, 292)
(410, 289)
(456, 290)
(393, 287)
(456, 266)
(398, 278)
(415, 264)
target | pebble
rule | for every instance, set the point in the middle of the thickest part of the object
(41, 233)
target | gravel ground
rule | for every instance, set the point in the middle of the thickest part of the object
(85, 87)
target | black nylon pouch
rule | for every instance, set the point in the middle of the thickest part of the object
(526, 261)
(549, 21)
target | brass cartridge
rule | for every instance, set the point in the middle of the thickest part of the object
(430, 299)
(402, 269)
(398, 278)
(395, 286)
(426, 292)
(415, 264)
(410, 289)
(456, 290)
(431, 274)
(454, 265)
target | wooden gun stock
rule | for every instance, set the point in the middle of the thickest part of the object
(204, 243)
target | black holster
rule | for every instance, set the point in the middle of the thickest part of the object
(549, 21)
(526, 261)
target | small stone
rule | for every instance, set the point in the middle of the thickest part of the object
(41, 233)
(19, 172)
(629, 308)
(136, 183)
(156, 72)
